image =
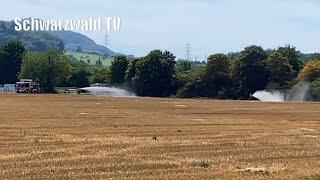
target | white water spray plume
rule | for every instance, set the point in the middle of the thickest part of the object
(297, 93)
(111, 91)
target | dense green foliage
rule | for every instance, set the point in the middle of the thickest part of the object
(157, 74)
(118, 69)
(213, 80)
(280, 71)
(50, 68)
(304, 58)
(249, 71)
(315, 89)
(153, 74)
(217, 80)
(53, 68)
(11, 55)
(183, 66)
(79, 77)
(100, 75)
(292, 56)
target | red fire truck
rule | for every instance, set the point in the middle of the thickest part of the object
(27, 86)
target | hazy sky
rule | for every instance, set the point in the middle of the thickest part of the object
(209, 25)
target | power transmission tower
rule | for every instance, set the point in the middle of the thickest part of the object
(106, 43)
(188, 51)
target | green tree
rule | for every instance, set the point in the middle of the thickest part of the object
(50, 68)
(183, 66)
(154, 74)
(99, 63)
(249, 71)
(191, 84)
(100, 75)
(79, 77)
(183, 70)
(315, 89)
(281, 73)
(118, 69)
(292, 55)
(131, 72)
(216, 76)
(11, 55)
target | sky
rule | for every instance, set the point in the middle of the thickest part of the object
(210, 26)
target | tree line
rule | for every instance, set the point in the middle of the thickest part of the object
(221, 76)
(159, 74)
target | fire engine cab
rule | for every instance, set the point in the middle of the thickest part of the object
(27, 86)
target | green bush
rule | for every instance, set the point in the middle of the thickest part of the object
(315, 89)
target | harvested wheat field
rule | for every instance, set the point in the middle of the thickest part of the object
(99, 137)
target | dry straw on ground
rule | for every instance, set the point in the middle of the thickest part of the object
(65, 136)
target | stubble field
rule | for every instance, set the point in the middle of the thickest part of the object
(98, 137)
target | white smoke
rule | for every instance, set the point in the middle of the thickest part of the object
(297, 93)
(111, 91)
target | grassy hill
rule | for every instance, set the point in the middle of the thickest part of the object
(90, 58)
(33, 41)
(44, 40)
(73, 41)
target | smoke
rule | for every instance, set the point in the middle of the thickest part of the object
(297, 93)
(111, 91)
